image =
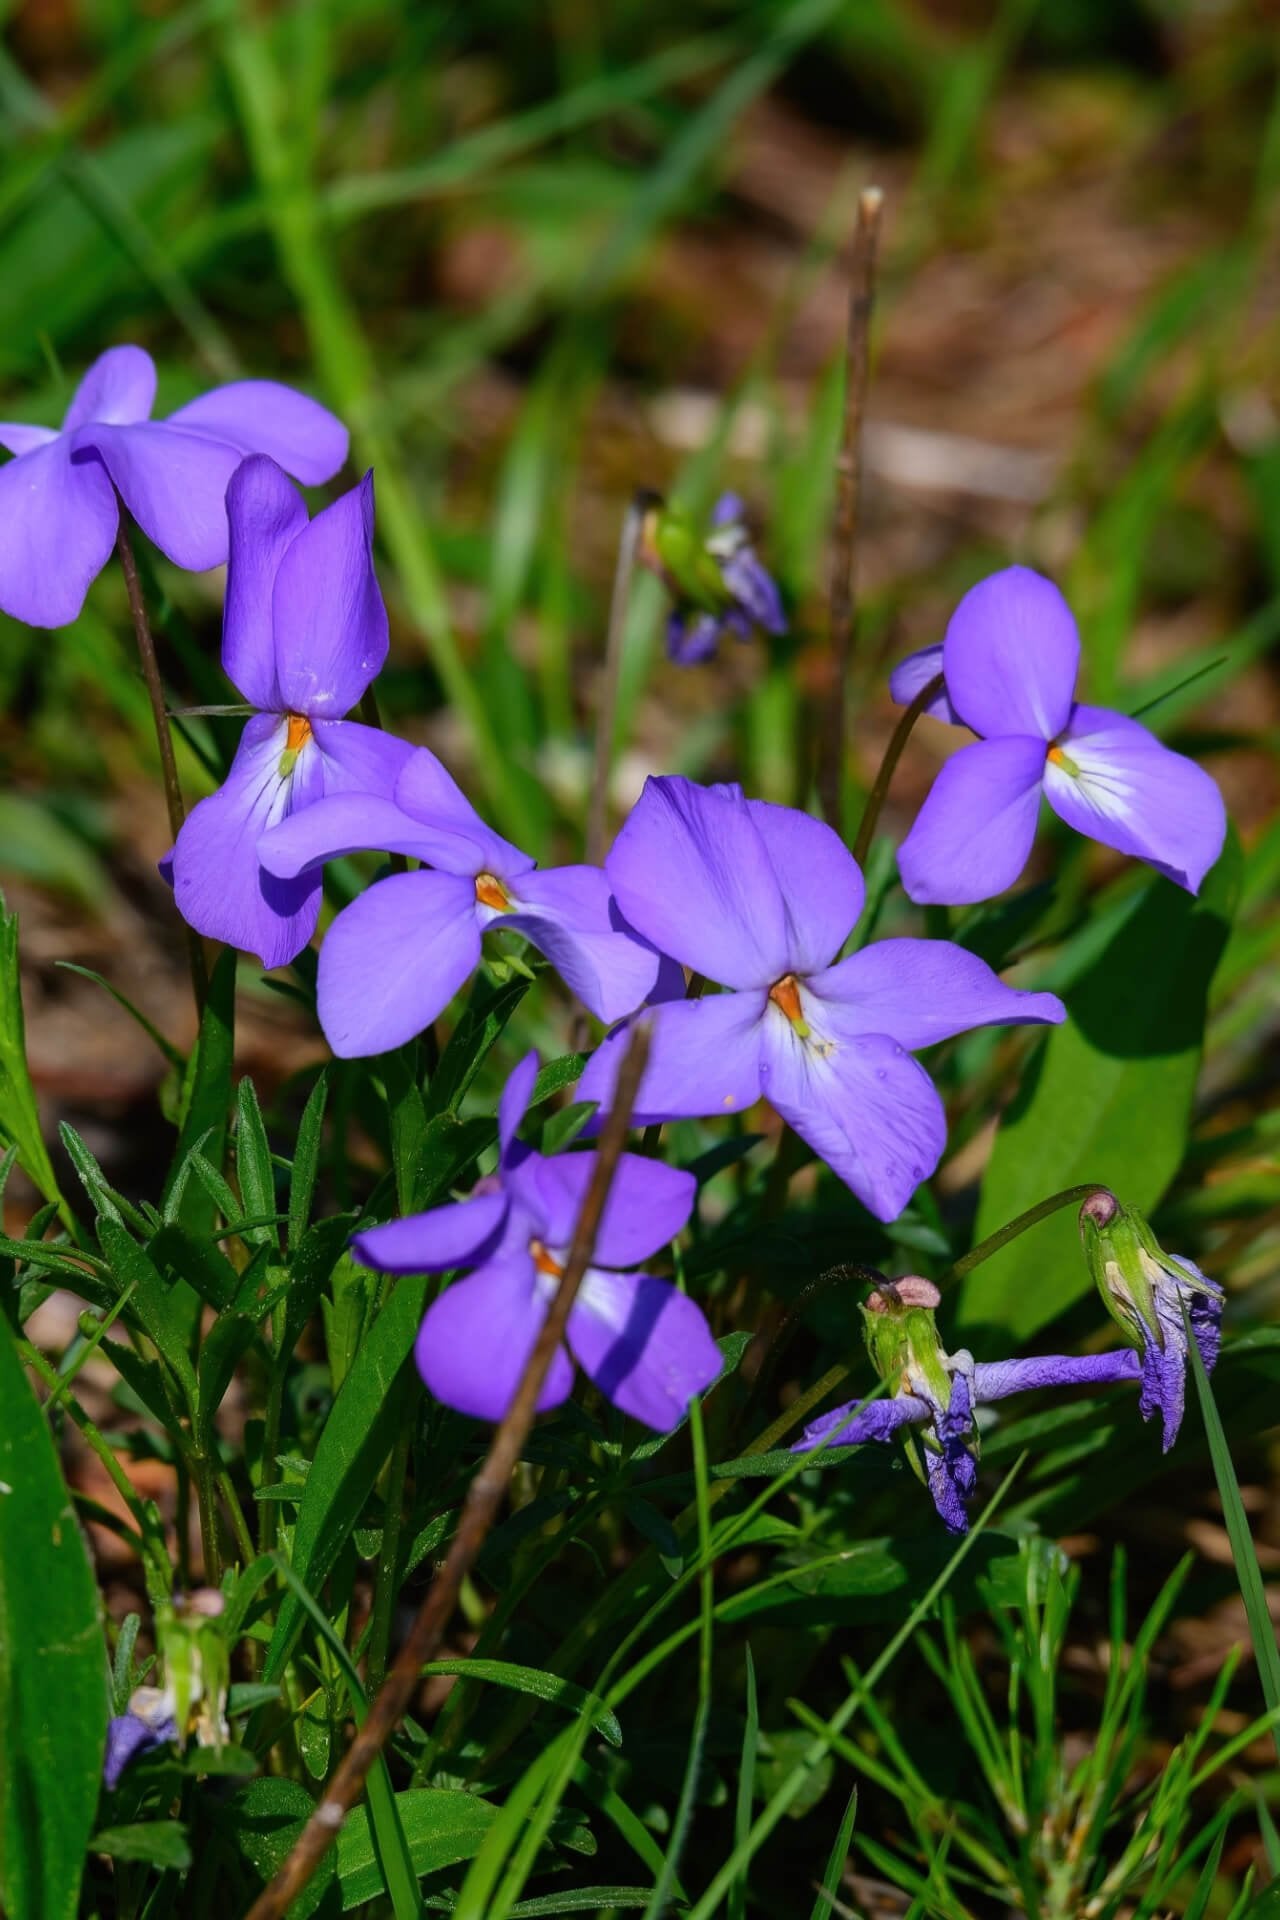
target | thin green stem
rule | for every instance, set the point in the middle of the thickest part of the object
(1070, 1196)
(386, 1582)
(202, 1472)
(607, 705)
(239, 1525)
(164, 737)
(892, 754)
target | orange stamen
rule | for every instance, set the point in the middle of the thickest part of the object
(490, 892)
(543, 1261)
(785, 994)
(299, 733)
(1057, 756)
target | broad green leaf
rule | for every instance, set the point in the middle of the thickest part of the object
(53, 1669)
(262, 1823)
(159, 1843)
(19, 1115)
(441, 1825)
(354, 1444)
(1108, 1098)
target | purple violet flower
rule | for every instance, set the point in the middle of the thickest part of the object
(934, 1395)
(149, 1723)
(647, 1347)
(58, 509)
(1011, 655)
(759, 899)
(396, 956)
(718, 581)
(304, 633)
(1145, 1290)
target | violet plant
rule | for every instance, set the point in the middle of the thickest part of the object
(725, 1164)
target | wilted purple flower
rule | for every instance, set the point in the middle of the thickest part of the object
(1145, 1290)
(934, 1395)
(58, 510)
(760, 898)
(718, 581)
(1011, 655)
(647, 1347)
(395, 957)
(149, 1723)
(304, 632)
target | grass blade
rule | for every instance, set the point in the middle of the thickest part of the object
(824, 1905)
(1248, 1572)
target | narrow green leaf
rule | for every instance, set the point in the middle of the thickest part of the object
(442, 1826)
(1248, 1573)
(1108, 1098)
(102, 1195)
(206, 1094)
(153, 1301)
(53, 1671)
(230, 1336)
(306, 1159)
(253, 1164)
(736, 1897)
(541, 1686)
(824, 1906)
(383, 1823)
(19, 1113)
(354, 1443)
(487, 1013)
(199, 1263)
(172, 1054)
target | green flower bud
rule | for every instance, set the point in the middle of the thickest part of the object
(672, 547)
(1130, 1268)
(902, 1338)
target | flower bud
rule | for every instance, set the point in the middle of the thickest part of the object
(902, 1339)
(683, 560)
(1133, 1273)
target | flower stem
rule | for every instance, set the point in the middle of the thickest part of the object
(607, 705)
(164, 738)
(892, 754)
(843, 596)
(1070, 1196)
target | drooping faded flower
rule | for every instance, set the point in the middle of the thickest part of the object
(933, 1395)
(645, 1345)
(304, 633)
(196, 1660)
(717, 579)
(1145, 1290)
(760, 899)
(1010, 656)
(58, 508)
(396, 956)
(149, 1722)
